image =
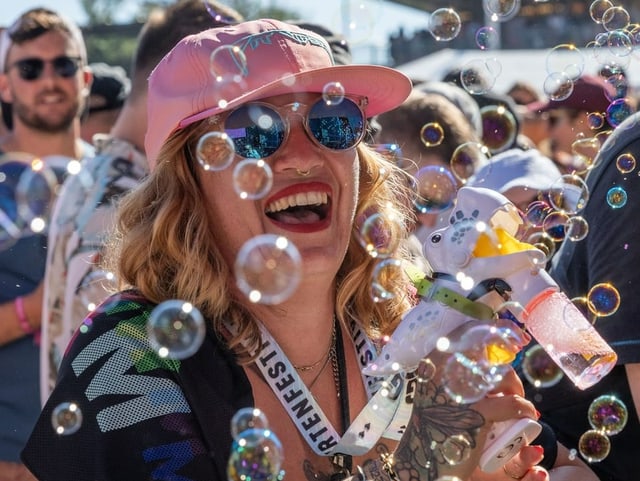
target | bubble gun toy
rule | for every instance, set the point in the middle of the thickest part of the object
(480, 267)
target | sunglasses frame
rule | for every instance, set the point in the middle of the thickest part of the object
(61, 66)
(294, 109)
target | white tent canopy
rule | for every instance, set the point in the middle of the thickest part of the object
(517, 65)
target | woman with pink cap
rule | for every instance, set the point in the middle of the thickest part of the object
(255, 147)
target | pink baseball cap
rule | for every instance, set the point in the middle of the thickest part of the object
(221, 68)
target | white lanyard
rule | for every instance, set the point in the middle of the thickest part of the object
(386, 413)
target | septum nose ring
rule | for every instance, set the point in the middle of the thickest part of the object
(303, 173)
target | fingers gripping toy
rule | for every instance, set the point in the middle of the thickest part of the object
(478, 266)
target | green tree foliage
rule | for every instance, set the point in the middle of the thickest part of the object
(112, 39)
(100, 11)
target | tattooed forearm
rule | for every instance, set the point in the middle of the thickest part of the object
(440, 435)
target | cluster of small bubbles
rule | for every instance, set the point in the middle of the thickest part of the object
(595, 120)
(375, 236)
(543, 242)
(499, 127)
(487, 38)
(95, 286)
(66, 418)
(435, 189)
(603, 299)
(569, 194)
(478, 76)
(539, 369)
(619, 110)
(598, 8)
(626, 163)
(576, 228)
(431, 134)
(467, 159)
(608, 414)
(175, 329)
(382, 283)
(444, 24)
(615, 18)
(333, 93)
(501, 10)
(616, 197)
(594, 446)
(215, 151)
(256, 452)
(456, 449)
(252, 178)
(536, 213)
(558, 86)
(268, 269)
(566, 59)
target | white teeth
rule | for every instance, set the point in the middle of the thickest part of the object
(306, 198)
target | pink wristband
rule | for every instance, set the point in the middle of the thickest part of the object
(22, 317)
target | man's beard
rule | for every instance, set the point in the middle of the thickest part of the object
(42, 124)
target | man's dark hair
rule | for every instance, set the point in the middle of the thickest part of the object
(165, 27)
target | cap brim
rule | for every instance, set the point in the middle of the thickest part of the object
(384, 87)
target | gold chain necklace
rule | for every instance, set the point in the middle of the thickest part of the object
(325, 357)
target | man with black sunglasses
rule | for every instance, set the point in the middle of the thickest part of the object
(74, 281)
(44, 78)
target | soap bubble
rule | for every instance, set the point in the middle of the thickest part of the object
(608, 414)
(66, 418)
(248, 418)
(215, 151)
(268, 269)
(444, 24)
(176, 329)
(594, 446)
(539, 368)
(603, 299)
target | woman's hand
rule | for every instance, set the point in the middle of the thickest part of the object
(447, 438)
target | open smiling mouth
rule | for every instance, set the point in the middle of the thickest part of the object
(302, 208)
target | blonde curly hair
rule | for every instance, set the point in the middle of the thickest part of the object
(163, 247)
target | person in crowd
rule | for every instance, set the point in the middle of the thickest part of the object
(45, 78)
(573, 118)
(522, 176)
(523, 93)
(74, 280)
(606, 258)
(427, 128)
(298, 358)
(109, 90)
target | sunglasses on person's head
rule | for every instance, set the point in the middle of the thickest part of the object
(31, 68)
(259, 129)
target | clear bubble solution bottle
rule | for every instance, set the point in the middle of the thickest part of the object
(560, 328)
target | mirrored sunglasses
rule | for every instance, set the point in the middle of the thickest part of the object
(31, 69)
(258, 129)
